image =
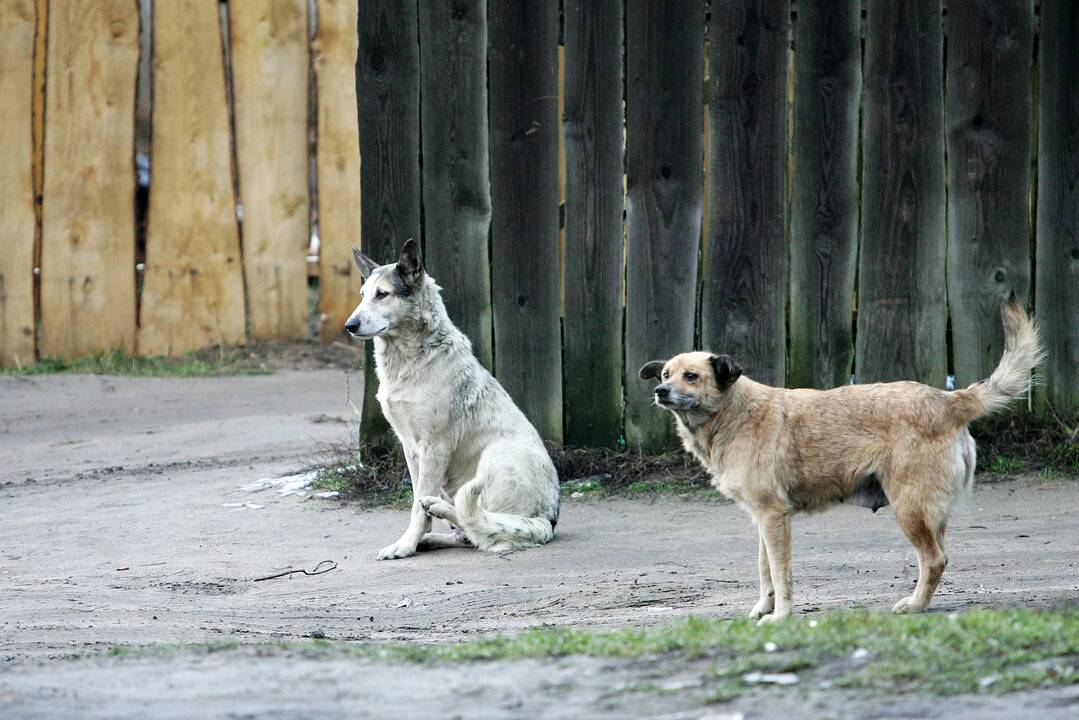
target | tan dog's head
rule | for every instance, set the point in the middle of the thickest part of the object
(694, 383)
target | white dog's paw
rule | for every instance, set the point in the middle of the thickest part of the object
(396, 551)
(773, 618)
(908, 605)
(762, 608)
(436, 507)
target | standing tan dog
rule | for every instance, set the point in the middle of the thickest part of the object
(776, 451)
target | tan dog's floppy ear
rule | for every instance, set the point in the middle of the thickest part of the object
(408, 266)
(651, 370)
(364, 263)
(726, 369)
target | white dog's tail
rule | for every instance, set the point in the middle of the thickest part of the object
(497, 531)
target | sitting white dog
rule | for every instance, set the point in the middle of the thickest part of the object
(474, 459)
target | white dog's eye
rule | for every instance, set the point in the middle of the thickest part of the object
(690, 377)
(379, 294)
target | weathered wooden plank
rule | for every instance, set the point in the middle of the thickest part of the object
(88, 241)
(902, 314)
(664, 116)
(456, 187)
(744, 298)
(192, 292)
(388, 92)
(338, 159)
(17, 227)
(523, 81)
(824, 193)
(989, 131)
(269, 80)
(1057, 254)
(592, 128)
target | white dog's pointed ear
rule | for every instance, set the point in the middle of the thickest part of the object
(726, 369)
(651, 370)
(364, 263)
(409, 266)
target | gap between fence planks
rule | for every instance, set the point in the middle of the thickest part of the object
(88, 233)
(269, 51)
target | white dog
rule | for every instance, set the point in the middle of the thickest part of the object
(474, 458)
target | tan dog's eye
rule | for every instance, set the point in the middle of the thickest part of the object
(666, 374)
(690, 376)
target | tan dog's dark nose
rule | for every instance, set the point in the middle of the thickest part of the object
(662, 391)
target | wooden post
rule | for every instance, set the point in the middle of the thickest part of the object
(88, 223)
(902, 315)
(388, 93)
(1057, 258)
(744, 299)
(338, 158)
(989, 131)
(594, 236)
(270, 78)
(824, 193)
(192, 293)
(17, 217)
(523, 81)
(664, 115)
(456, 187)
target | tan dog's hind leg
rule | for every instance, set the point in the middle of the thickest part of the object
(775, 529)
(927, 537)
(767, 602)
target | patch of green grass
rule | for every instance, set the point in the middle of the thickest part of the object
(119, 362)
(1006, 464)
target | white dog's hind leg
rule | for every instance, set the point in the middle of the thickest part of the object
(436, 507)
(442, 541)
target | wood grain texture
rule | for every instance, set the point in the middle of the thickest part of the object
(524, 128)
(902, 315)
(338, 161)
(824, 193)
(593, 132)
(17, 216)
(1057, 249)
(664, 116)
(744, 298)
(456, 185)
(269, 79)
(388, 93)
(88, 233)
(192, 292)
(989, 133)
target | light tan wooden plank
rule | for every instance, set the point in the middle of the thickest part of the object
(88, 244)
(269, 76)
(192, 293)
(338, 163)
(17, 222)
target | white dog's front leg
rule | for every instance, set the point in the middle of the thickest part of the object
(426, 480)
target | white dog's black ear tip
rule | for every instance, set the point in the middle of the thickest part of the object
(651, 370)
(365, 264)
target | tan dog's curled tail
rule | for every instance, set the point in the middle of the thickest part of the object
(497, 531)
(1012, 378)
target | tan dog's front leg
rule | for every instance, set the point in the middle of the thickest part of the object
(775, 529)
(426, 480)
(768, 597)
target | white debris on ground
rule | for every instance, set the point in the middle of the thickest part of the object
(755, 678)
(298, 484)
(243, 505)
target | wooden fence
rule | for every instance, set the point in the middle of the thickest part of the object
(821, 190)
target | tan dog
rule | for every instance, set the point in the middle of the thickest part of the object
(778, 451)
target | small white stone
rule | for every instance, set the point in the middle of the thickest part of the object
(770, 647)
(860, 654)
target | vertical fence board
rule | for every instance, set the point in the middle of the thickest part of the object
(1057, 254)
(989, 132)
(388, 93)
(824, 193)
(456, 188)
(901, 298)
(338, 161)
(17, 219)
(88, 231)
(594, 239)
(744, 299)
(192, 292)
(269, 79)
(524, 122)
(664, 116)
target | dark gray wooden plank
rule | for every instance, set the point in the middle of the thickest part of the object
(525, 269)
(989, 132)
(388, 96)
(1057, 254)
(902, 315)
(456, 189)
(744, 298)
(824, 192)
(664, 116)
(594, 238)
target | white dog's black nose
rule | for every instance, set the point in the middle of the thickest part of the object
(352, 326)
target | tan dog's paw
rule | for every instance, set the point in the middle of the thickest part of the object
(773, 618)
(396, 551)
(762, 608)
(908, 605)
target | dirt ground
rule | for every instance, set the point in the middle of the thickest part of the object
(119, 527)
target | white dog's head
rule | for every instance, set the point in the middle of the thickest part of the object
(388, 295)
